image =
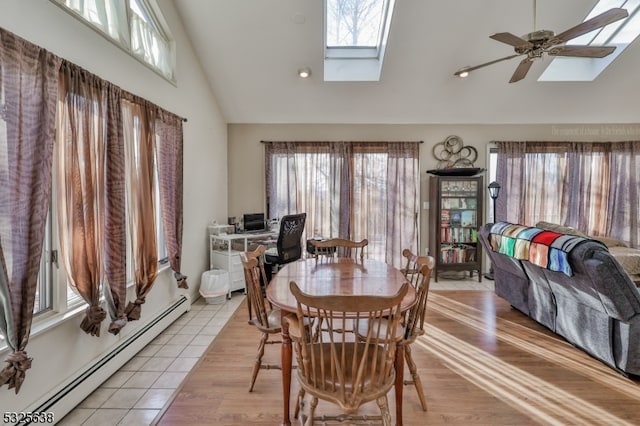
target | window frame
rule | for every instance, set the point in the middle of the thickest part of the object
(153, 12)
(360, 62)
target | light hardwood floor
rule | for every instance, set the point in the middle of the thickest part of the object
(481, 362)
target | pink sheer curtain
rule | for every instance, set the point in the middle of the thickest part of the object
(591, 186)
(310, 178)
(91, 195)
(170, 153)
(385, 198)
(624, 196)
(351, 190)
(139, 118)
(115, 240)
(403, 200)
(28, 94)
(93, 185)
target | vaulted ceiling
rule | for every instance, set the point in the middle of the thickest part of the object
(251, 51)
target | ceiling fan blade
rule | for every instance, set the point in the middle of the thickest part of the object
(475, 67)
(582, 51)
(606, 18)
(522, 70)
(511, 40)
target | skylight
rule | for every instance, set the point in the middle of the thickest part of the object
(355, 38)
(619, 34)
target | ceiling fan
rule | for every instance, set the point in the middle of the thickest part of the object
(539, 42)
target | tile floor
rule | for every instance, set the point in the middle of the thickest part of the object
(136, 393)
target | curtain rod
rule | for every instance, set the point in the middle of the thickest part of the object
(340, 141)
(126, 93)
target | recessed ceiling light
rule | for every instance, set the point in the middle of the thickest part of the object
(304, 72)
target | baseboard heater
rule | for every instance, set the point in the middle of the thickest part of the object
(69, 396)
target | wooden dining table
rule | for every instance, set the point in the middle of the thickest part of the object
(339, 276)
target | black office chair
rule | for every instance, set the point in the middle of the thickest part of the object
(289, 245)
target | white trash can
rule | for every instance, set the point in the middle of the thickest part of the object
(214, 286)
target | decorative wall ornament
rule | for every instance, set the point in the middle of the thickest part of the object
(454, 158)
(452, 153)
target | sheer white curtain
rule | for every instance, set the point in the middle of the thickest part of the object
(110, 16)
(148, 44)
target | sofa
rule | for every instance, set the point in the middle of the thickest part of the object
(571, 285)
(627, 257)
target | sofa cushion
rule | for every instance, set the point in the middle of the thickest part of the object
(560, 229)
(628, 257)
(611, 242)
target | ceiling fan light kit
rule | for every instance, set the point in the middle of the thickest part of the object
(463, 72)
(304, 72)
(535, 44)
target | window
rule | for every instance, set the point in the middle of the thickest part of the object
(591, 186)
(163, 256)
(137, 26)
(620, 34)
(52, 281)
(355, 24)
(349, 190)
(43, 291)
(356, 33)
(491, 175)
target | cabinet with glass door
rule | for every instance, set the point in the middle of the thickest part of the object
(454, 220)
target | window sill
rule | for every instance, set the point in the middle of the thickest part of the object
(52, 319)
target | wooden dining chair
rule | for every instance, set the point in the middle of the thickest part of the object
(412, 272)
(412, 325)
(339, 247)
(410, 269)
(258, 254)
(339, 369)
(261, 315)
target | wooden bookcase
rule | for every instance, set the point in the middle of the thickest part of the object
(454, 220)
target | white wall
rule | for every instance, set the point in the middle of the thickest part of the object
(65, 349)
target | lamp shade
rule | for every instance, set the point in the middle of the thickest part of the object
(494, 190)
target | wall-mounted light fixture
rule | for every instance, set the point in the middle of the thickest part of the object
(304, 72)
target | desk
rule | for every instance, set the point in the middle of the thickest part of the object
(227, 259)
(337, 276)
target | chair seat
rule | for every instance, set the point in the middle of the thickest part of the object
(329, 386)
(274, 320)
(272, 251)
(363, 327)
(294, 326)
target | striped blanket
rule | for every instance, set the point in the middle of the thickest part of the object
(547, 249)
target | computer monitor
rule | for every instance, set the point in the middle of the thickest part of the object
(254, 222)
